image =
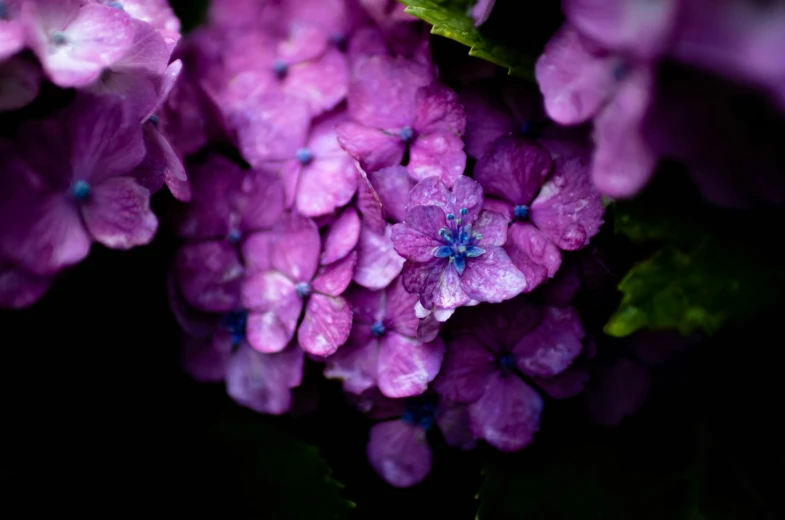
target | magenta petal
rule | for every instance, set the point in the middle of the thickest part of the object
(20, 81)
(174, 171)
(151, 171)
(333, 279)
(623, 161)
(392, 186)
(270, 128)
(342, 236)
(552, 347)
(259, 201)
(466, 370)
(275, 311)
(256, 252)
(148, 54)
(492, 277)
(418, 237)
(372, 148)
(440, 154)
(209, 275)
(532, 253)
(262, 382)
(12, 38)
(481, 11)
(433, 192)
(569, 208)
(455, 423)
(296, 246)
(399, 310)
(118, 214)
(492, 227)
(399, 453)
(436, 282)
(406, 365)
(302, 43)
(164, 86)
(514, 169)
(575, 81)
(438, 110)
(323, 83)
(377, 261)
(96, 38)
(487, 118)
(508, 414)
(326, 184)
(326, 325)
(382, 92)
(19, 288)
(355, 362)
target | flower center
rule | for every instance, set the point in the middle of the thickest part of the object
(116, 5)
(234, 236)
(377, 329)
(154, 120)
(461, 242)
(81, 190)
(280, 68)
(506, 362)
(520, 212)
(303, 290)
(58, 38)
(3, 11)
(234, 322)
(406, 134)
(621, 70)
(304, 156)
(420, 411)
(338, 40)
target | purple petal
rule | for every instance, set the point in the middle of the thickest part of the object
(439, 111)
(569, 208)
(383, 90)
(355, 362)
(372, 148)
(174, 171)
(326, 184)
(399, 313)
(20, 81)
(574, 78)
(406, 365)
(256, 252)
(565, 385)
(418, 237)
(270, 127)
(260, 200)
(532, 253)
(392, 185)
(262, 382)
(151, 171)
(96, 37)
(118, 214)
(209, 275)
(202, 360)
(439, 154)
(377, 262)
(12, 38)
(487, 118)
(323, 83)
(432, 192)
(552, 347)
(369, 205)
(436, 282)
(466, 370)
(192, 321)
(367, 305)
(399, 453)
(514, 169)
(333, 279)
(639, 27)
(276, 309)
(492, 277)
(454, 422)
(164, 86)
(296, 247)
(492, 226)
(508, 414)
(135, 90)
(302, 43)
(623, 160)
(18, 288)
(326, 325)
(481, 11)
(562, 289)
(428, 328)
(148, 53)
(342, 236)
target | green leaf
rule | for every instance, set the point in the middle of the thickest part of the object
(451, 19)
(275, 474)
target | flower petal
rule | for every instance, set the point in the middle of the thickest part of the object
(275, 311)
(333, 279)
(326, 324)
(118, 214)
(20, 80)
(326, 184)
(323, 83)
(406, 365)
(532, 253)
(209, 275)
(492, 277)
(399, 453)
(465, 371)
(295, 247)
(440, 154)
(392, 186)
(552, 347)
(342, 236)
(371, 147)
(438, 110)
(514, 169)
(487, 118)
(418, 237)
(355, 362)
(262, 382)
(377, 262)
(19, 288)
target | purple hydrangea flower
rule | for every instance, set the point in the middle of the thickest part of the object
(481, 11)
(342, 236)
(396, 107)
(383, 349)
(552, 205)
(157, 13)
(453, 247)
(496, 355)
(377, 261)
(288, 291)
(12, 36)
(581, 81)
(76, 41)
(229, 205)
(20, 81)
(19, 288)
(72, 182)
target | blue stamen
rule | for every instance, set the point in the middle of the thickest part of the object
(338, 40)
(506, 362)
(234, 236)
(378, 329)
(406, 134)
(304, 156)
(303, 289)
(460, 242)
(81, 190)
(234, 322)
(116, 5)
(420, 411)
(58, 38)
(3, 11)
(520, 212)
(621, 70)
(280, 68)
(154, 120)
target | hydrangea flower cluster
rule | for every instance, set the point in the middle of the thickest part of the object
(334, 220)
(612, 64)
(80, 84)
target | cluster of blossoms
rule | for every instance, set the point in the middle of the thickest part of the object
(80, 83)
(334, 220)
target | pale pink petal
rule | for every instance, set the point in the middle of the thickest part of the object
(372, 148)
(342, 236)
(333, 279)
(399, 453)
(406, 365)
(377, 262)
(323, 83)
(296, 247)
(118, 214)
(492, 277)
(355, 362)
(326, 184)
(532, 253)
(392, 186)
(439, 154)
(552, 347)
(275, 311)
(326, 324)
(209, 275)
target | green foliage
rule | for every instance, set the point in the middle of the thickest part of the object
(279, 476)
(451, 19)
